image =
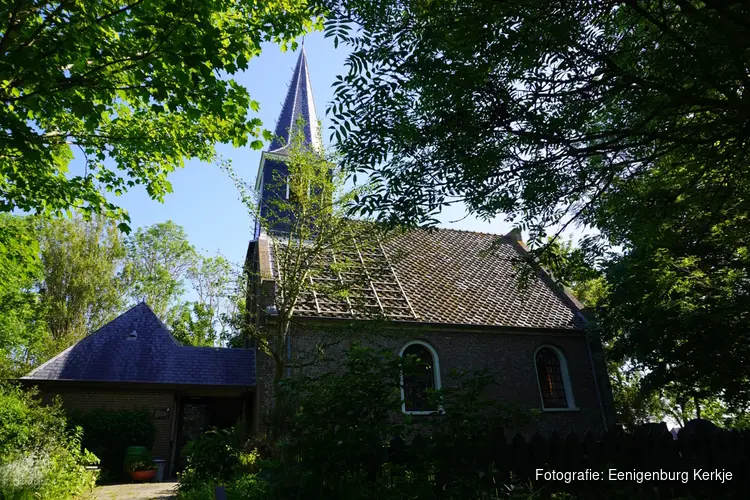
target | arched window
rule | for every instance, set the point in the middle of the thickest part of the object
(417, 385)
(554, 384)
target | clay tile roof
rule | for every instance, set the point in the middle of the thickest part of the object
(114, 354)
(452, 277)
(447, 277)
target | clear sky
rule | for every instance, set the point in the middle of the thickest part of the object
(205, 201)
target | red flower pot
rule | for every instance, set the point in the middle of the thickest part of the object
(143, 475)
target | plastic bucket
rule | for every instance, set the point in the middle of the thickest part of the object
(159, 469)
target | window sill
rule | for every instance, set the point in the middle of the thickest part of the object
(556, 410)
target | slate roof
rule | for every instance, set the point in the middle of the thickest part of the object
(154, 356)
(449, 277)
(299, 102)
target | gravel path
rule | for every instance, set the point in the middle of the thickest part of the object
(135, 491)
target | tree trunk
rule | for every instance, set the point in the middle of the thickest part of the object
(697, 406)
(280, 409)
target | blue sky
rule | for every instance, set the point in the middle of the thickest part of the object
(205, 201)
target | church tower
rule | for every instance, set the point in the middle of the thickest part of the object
(299, 104)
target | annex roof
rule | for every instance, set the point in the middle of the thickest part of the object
(137, 347)
(444, 276)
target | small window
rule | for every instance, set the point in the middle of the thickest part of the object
(416, 386)
(554, 384)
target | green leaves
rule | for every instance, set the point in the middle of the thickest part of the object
(159, 258)
(630, 121)
(531, 116)
(135, 84)
(161, 267)
(35, 444)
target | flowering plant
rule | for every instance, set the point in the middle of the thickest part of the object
(141, 466)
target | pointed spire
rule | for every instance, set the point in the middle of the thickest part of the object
(299, 102)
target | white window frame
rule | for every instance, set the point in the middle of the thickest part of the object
(567, 386)
(435, 371)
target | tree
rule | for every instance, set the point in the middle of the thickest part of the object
(648, 386)
(316, 243)
(63, 289)
(536, 109)
(633, 405)
(193, 325)
(211, 277)
(159, 259)
(206, 322)
(22, 325)
(132, 88)
(629, 118)
(214, 281)
(162, 266)
(79, 288)
(678, 308)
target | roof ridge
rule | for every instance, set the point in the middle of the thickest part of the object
(468, 231)
(88, 338)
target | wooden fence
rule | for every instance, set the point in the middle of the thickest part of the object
(680, 468)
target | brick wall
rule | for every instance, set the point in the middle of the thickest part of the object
(508, 356)
(263, 392)
(125, 400)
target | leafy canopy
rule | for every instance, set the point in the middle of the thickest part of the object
(133, 88)
(159, 257)
(537, 109)
(627, 117)
(78, 290)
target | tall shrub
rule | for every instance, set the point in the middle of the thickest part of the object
(39, 458)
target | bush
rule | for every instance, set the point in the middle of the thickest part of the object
(244, 487)
(338, 441)
(109, 432)
(38, 457)
(217, 456)
(342, 441)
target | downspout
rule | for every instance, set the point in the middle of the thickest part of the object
(596, 378)
(289, 355)
(173, 435)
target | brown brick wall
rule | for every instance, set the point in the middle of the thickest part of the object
(508, 356)
(125, 400)
(263, 392)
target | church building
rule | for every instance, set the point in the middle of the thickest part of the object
(451, 298)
